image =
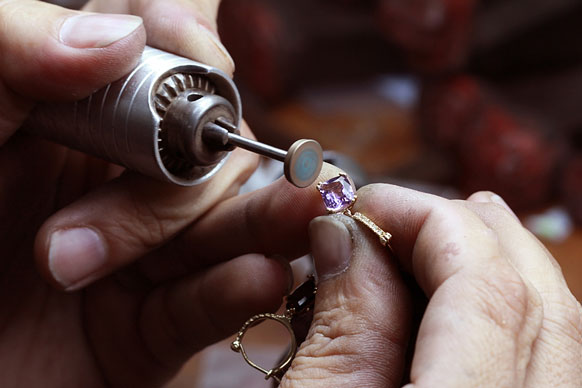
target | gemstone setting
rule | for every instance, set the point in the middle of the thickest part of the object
(337, 193)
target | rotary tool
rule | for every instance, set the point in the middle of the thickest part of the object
(171, 118)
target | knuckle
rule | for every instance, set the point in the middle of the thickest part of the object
(332, 324)
(499, 210)
(484, 195)
(340, 346)
(563, 313)
(331, 331)
(507, 301)
(371, 189)
(142, 224)
(484, 192)
(125, 231)
(155, 226)
(328, 339)
(336, 332)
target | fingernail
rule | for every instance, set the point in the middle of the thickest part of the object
(97, 30)
(331, 246)
(498, 200)
(221, 52)
(288, 271)
(74, 255)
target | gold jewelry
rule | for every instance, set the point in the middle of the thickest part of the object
(298, 304)
(339, 198)
(284, 320)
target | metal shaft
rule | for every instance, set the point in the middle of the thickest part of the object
(223, 134)
(301, 163)
(257, 147)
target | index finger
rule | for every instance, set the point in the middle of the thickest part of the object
(479, 303)
(483, 316)
(271, 221)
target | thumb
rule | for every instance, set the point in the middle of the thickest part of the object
(359, 332)
(49, 52)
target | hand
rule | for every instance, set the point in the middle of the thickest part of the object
(136, 327)
(54, 53)
(499, 315)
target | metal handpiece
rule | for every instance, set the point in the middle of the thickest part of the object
(140, 121)
(153, 121)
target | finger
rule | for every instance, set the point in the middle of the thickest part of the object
(184, 27)
(362, 313)
(272, 221)
(538, 263)
(560, 338)
(490, 197)
(480, 305)
(49, 52)
(179, 318)
(126, 218)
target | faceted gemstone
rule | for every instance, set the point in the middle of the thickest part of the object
(337, 194)
(303, 297)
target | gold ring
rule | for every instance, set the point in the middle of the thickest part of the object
(339, 198)
(299, 303)
(285, 320)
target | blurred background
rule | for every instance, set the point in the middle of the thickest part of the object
(444, 96)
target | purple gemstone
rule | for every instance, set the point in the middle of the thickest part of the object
(337, 194)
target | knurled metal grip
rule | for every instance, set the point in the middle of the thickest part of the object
(148, 120)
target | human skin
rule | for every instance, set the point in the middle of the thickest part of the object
(112, 327)
(189, 277)
(500, 313)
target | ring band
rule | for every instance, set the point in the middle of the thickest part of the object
(285, 320)
(299, 304)
(339, 198)
(384, 236)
